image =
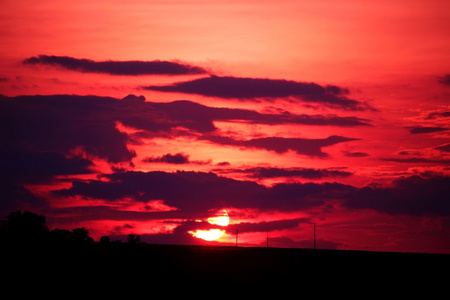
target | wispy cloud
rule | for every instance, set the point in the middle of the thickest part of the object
(177, 159)
(430, 129)
(133, 67)
(303, 146)
(271, 172)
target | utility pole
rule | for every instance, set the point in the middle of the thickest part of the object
(267, 240)
(237, 233)
(314, 236)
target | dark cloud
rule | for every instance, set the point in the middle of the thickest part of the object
(420, 130)
(445, 79)
(436, 115)
(414, 195)
(35, 167)
(308, 173)
(356, 154)
(257, 88)
(421, 160)
(244, 227)
(178, 159)
(14, 196)
(309, 147)
(62, 123)
(155, 67)
(202, 117)
(444, 148)
(197, 192)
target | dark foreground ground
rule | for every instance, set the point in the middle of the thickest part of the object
(189, 269)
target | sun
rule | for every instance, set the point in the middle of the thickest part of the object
(221, 218)
(208, 235)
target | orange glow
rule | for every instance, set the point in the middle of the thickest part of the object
(208, 235)
(221, 219)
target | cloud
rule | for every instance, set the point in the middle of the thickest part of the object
(197, 193)
(308, 173)
(413, 195)
(422, 160)
(445, 79)
(35, 167)
(134, 67)
(256, 89)
(436, 115)
(356, 154)
(245, 227)
(203, 116)
(421, 130)
(62, 123)
(309, 147)
(178, 159)
(444, 148)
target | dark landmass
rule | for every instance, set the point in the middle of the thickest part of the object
(174, 265)
(64, 263)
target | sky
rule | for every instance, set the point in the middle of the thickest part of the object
(159, 118)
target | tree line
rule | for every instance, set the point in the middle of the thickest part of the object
(30, 228)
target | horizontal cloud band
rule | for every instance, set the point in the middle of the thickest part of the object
(309, 147)
(197, 192)
(60, 123)
(262, 88)
(133, 67)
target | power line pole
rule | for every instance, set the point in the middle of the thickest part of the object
(267, 240)
(314, 236)
(237, 237)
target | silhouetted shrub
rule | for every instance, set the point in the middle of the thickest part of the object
(24, 227)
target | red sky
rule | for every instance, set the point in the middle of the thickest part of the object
(285, 113)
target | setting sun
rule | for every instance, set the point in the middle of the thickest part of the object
(208, 235)
(220, 218)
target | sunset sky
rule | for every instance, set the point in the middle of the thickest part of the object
(151, 117)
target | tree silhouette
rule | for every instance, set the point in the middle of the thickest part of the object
(133, 238)
(104, 239)
(25, 227)
(30, 228)
(60, 236)
(80, 235)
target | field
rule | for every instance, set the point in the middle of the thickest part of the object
(119, 265)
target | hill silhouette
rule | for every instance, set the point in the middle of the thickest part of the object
(63, 257)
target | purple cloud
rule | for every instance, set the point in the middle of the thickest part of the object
(261, 172)
(420, 130)
(413, 195)
(177, 159)
(444, 148)
(133, 67)
(436, 115)
(197, 192)
(309, 147)
(256, 89)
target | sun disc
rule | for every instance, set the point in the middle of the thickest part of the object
(221, 219)
(208, 235)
